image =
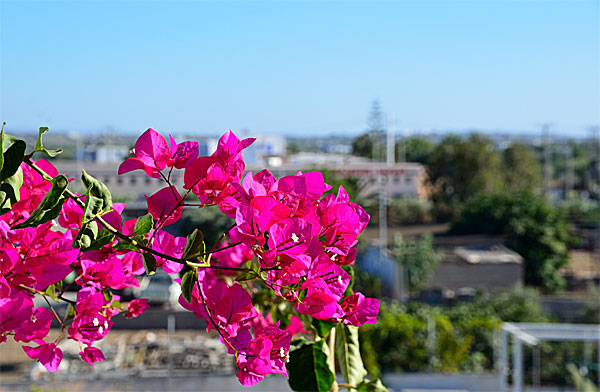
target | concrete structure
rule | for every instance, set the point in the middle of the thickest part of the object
(485, 267)
(531, 334)
(395, 180)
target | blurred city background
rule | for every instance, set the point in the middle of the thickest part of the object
(469, 131)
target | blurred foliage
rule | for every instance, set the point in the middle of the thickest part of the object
(370, 145)
(464, 333)
(582, 383)
(368, 284)
(352, 185)
(535, 230)
(401, 211)
(581, 211)
(579, 159)
(460, 169)
(521, 169)
(414, 149)
(419, 258)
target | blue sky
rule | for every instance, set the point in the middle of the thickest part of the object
(299, 68)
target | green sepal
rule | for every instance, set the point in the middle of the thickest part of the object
(194, 245)
(50, 206)
(187, 284)
(143, 225)
(51, 292)
(308, 368)
(149, 263)
(70, 312)
(39, 145)
(347, 351)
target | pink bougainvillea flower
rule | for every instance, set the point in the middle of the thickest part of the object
(92, 354)
(107, 273)
(209, 177)
(15, 310)
(36, 326)
(165, 205)
(295, 326)
(267, 353)
(359, 310)
(151, 154)
(137, 307)
(172, 246)
(182, 154)
(320, 302)
(47, 353)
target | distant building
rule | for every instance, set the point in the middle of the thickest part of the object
(486, 267)
(101, 154)
(396, 180)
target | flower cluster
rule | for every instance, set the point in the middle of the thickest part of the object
(288, 238)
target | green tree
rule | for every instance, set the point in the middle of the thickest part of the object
(369, 145)
(535, 229)
(414, 149)
(419, 258)
(522, 170)
(460, 169)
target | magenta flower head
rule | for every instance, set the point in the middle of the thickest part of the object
(151, 154)
(137, 307)
(47, 353)
(92, 354)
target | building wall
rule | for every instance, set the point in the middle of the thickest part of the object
(488, 277)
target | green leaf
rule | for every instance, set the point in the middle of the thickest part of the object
(308, 367)
(97, 189)
(13, 150)
(143, 225)
(187, 284)
(93, 206)
(149, 263)
(347, 351)
(108, 295)
(322, 327)
(10, 191)
(194, 245)
(39, 145)
(245, 275)
(86, 235)
(50, 206)
(371, 386)
(121, 245)
(104, 237)
(115, 304)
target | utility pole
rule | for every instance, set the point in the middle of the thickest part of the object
(569, 170)
(547, 157)
(391, 140)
